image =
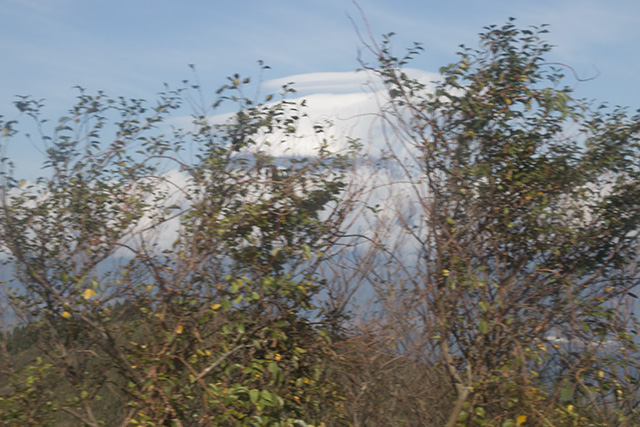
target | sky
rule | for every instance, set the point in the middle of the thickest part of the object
(132, 47)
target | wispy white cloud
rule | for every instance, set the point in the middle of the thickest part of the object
(323, 82)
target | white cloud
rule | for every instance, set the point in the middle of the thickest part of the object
(327, 82)
(341, 82)
(350, 101)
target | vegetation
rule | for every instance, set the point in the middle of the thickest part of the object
(522, 232)
(500, 259)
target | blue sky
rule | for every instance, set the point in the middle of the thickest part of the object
(132, 47)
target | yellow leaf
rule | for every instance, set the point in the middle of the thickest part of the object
(179, 329)
(89, 293)
(521, 420)
(215, 306)
(445, 273)
(66, 315)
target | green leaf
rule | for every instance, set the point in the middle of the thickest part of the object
(566, 394)
(267, 397)
(483, 326)
(273, 368)
(254, 396)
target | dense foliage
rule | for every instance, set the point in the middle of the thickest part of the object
(500, 259)
(523, 233)
(217, 328)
